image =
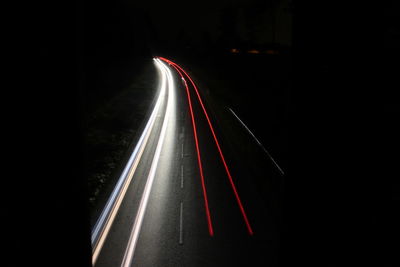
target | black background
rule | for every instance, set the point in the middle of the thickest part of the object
(342, 54)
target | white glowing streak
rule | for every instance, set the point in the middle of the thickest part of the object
(103, 224)
(128, 257)
(258, 142)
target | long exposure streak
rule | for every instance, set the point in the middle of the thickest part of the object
(176, 66)
(210, 228)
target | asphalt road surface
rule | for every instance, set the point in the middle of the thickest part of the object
(175, 204)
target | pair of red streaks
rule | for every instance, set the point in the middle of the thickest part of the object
(179, 69)
(210, 228)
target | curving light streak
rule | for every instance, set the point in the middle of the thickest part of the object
(209, 222)
(250, 230)
(129, 252)
(103, 224)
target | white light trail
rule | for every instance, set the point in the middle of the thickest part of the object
(258, 142)
(129, 252)
(103, 224)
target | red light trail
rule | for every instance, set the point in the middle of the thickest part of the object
(210, 228)
(176, 66)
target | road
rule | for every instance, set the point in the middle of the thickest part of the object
(183, 198)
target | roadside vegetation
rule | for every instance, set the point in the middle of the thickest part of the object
(111, 130)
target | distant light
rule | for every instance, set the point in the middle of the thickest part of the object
(234, 50)
(272, 52)
(253, 51)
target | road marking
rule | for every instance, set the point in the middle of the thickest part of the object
(203, 185)
(130, 249)
(176, 66)
(181, 225)
(182, 151)
(258, 142)
(181, 176)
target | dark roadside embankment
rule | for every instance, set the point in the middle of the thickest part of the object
(119, 86)
(112, 129)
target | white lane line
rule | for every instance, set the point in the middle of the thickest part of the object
(181, 176)
(104, 222)
(181, 225)
(259, 143)
(182, 151)
(130, 249)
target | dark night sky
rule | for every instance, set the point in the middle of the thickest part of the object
(126, 32)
